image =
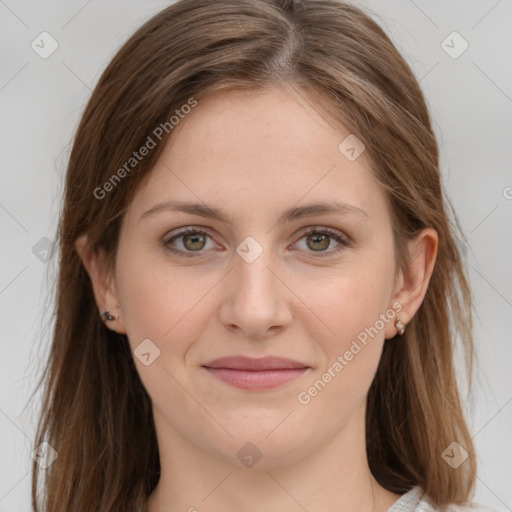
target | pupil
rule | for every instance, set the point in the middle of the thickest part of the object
(194, 237)
(324, 239)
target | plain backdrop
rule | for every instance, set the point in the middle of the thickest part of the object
(469, 92)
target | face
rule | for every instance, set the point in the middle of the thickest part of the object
(264, 277)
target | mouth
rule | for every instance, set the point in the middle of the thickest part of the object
(255, 374)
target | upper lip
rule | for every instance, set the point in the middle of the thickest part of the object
(254, 364)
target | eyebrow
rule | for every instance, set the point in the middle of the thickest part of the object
(298, 212)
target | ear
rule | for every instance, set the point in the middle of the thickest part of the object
(103, 283)
(412, 282)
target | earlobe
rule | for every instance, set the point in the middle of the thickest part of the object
(102, 282)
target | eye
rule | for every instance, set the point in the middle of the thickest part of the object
(191, 240)
(318, 241)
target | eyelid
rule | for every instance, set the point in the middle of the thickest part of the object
(186, 230)
(326, 229)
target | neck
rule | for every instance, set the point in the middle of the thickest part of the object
(335, 476)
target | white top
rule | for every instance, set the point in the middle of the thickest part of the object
(411, 502)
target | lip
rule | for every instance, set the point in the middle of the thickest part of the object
(255, 373)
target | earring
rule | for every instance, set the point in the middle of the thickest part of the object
(107, 317)
(400, 326)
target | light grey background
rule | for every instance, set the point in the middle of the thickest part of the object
(470, 98)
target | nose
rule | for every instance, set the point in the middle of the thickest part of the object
(257, 302)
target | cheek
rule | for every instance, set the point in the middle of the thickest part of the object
(351, 306)
(169, 306)
(161, 301)
(351, 302)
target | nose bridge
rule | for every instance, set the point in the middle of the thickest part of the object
(256, 300)
(252, 269)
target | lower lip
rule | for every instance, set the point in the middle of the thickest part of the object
(264, 379)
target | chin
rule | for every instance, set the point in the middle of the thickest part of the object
(263, 442)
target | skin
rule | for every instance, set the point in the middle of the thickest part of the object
(255, 155)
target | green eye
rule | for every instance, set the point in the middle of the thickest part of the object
(318, 241)
(194, 241)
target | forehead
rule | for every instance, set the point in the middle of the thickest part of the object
(242, 123)
(258, 151)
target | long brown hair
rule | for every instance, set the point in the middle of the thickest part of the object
(96, 413)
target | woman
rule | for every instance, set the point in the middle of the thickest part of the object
(259, 281)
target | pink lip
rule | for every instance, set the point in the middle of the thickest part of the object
(249, 373)
(255, 379)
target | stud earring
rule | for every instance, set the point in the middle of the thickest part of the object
(107, 317)
(400, 326)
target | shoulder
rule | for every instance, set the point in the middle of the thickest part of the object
(471, 507)
(424, 505)
(417, 501)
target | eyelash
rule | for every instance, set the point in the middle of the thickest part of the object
(343, 241)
